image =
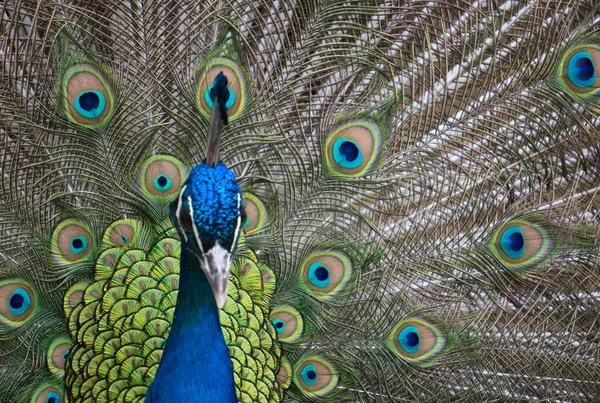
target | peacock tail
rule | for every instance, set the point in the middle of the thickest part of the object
(421, 185)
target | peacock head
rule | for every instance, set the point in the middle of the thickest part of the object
(209, 215)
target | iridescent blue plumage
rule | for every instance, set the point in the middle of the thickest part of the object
(195, 365)
(209, 214)
(216, 200)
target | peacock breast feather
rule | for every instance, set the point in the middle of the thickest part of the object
(120, 322)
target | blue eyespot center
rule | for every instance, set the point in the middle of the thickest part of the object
(124, 239)
(16, 301)
(309, 375)
(349, 150)
(322, 273)
(247, 222)
(347, 153)
(582, 71)
(79, 244)
(409, 339)
(319, 275)
(586, 69)
(513, 242)
(516, 241)
(210, 92)
(89, 101)
(66, 354)
(53, 398)
(279, 325)
(163, 183)
(412, 339)
(90, 104)
(19, 302)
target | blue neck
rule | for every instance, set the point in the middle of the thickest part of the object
(195, 365)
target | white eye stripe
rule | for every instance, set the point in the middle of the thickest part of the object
(178, 212)
(196, 235)
(238, 226)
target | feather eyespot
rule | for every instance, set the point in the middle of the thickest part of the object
(347, 153)
(47, 394)
(18, 303)
(256, 213)
(88, 96)
(122, 233)
(58, 353)
(417, 340)
(326, 274)
(288, 323)
(316, 376)
(579, 70)
(162, 176)
(72, 242)
(353, 149)
(237, 87)
(519, 244)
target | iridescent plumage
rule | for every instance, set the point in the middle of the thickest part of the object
(415, 215)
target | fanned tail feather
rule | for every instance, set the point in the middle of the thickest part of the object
(421, 183)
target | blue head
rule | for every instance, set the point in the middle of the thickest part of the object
(209, 212)
(209, 215)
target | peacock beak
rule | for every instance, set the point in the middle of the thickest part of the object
(218, 283)
(216, 264)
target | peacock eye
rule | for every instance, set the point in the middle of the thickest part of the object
(162, 176)
(519, 244)
(17, 302)
(417, 340)
(72, 241)
(90, 104)
(53, 397)
(346, 153)
(288, 323)
(255, 213)
(121, 233)
(512, 242)
(162, 183)
(316, 376)
(579, 70)
(353, 149)
(47, 394)
(326, 274)
(58, 353)
(237, 87)
(88, 95)
(78, 244)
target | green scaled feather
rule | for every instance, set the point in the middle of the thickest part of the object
(421, 182)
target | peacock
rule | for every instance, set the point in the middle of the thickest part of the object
(299, 200)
